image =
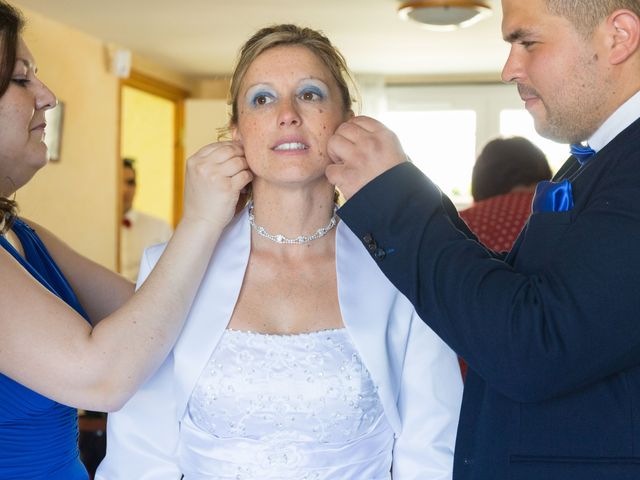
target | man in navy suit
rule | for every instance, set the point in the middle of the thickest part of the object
(551, 332)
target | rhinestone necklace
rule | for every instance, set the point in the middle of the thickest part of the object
(300, 239)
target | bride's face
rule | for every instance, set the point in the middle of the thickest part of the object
(288, 107)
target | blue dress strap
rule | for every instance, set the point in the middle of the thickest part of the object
(39, 263)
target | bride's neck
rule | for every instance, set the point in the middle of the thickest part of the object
(292, 213)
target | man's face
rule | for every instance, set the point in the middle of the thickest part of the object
(560, 74)
(128, 188)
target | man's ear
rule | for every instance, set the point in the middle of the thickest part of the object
(623, 30)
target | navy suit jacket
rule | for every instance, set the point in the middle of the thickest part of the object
(551, 332)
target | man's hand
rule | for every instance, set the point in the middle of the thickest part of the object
(361, 149)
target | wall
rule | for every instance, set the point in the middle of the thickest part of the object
(76, 197)
(205, 114)
(155, 70)
(201, 123)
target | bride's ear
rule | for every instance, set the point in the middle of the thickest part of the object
(235, 134)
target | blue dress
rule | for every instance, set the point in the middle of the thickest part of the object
(38, 436)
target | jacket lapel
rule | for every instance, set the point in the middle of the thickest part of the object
(212, 307)
(369, 305)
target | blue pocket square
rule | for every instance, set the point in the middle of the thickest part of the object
(553, 197)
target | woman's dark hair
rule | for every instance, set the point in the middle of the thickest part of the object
(505, 163)
(11, 23)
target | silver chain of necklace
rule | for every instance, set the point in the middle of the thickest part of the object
(300, 239)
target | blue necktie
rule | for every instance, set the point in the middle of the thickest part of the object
(582, 153)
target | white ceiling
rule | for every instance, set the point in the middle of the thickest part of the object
(202, 37)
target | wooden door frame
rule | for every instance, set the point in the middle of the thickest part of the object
(177, 96)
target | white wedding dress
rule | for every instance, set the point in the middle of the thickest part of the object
(282, 407)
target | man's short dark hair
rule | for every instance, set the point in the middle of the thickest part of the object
(585, 15)
(128, 163)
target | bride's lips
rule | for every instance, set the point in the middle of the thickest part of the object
(290, 145)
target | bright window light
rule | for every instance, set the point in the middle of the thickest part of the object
(520, 123)
(440, 143)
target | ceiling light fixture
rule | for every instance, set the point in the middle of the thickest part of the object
(444, 14)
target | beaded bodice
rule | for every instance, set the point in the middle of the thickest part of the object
(297, 406)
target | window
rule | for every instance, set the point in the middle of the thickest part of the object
(443, 129)
(441, 143)
(520, 122)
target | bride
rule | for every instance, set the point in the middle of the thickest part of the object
(299, 359)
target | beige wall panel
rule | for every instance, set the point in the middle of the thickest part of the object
(202, 120)
(76, 197)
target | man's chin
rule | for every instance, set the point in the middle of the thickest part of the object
(545, 130)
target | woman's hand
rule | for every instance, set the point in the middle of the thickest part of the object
(100, 368)
(216, 175)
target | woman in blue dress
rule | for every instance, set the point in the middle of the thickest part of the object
(54, 355)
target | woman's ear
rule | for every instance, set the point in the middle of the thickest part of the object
(623, 28)
(348, 115)
(235, 134)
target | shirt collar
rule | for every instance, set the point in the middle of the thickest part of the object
(624, 116)
(131, 215)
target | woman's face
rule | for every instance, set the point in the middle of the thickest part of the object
(22, 124)
(288, 106)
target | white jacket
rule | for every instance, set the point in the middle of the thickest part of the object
(417, 375)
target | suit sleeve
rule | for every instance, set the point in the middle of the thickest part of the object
(532, 333)
(142, 437)
(429, 405)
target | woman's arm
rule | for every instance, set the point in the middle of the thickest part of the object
(48, 347)
(429, 406)
(99, 290)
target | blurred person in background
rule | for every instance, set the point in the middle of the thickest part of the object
(138, 230)
(503, 183)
